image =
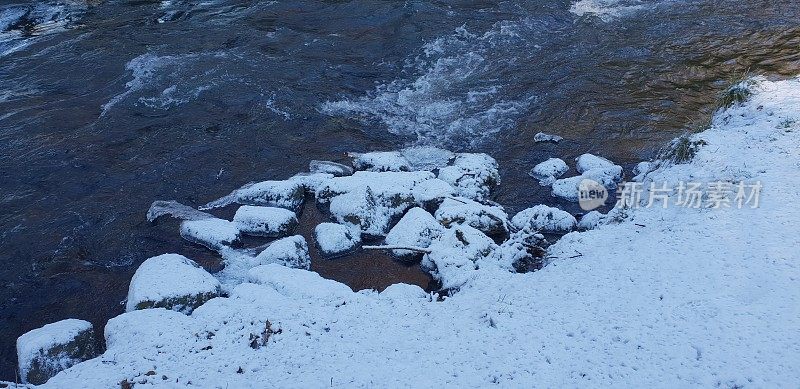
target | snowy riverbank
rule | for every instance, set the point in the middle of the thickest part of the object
(662, 297)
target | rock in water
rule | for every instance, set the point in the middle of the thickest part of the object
(212, 233)
(492, 220)
(287, 194)
(381, 161)
(417, 228)
(545, 219)
(328, 167)
(542, 137)
(45, 351)
(591, 167)
(265, 221)
(290, 252)
(548, 171)
(474, 176)
(173, 282)
(336, 239)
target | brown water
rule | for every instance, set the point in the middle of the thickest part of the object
(112, 106)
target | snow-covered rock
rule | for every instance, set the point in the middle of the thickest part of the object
(381, 161)
(492, 220)
(523, 251)
(403, 292)
(212, 233)
(372, 201)
(542, 137)
(590, 167)
(173, 282)
(455, 255)
(472, 175)
(426, 158)
(545, 219)
(149, 329)
(299, 284)
(45, 351)
(417, 228)
(291, 252)
(336, 239)
(591, 220)
(311, 181)
(548, 171)
(430, 193)
(287, 194)
(265, 221)
(328, 167)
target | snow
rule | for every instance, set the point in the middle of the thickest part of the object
(170, 281)
(404, 292)
(472, 175)
(542, 137)
(417, 228)
(545, 219)
(335, 239)
(675, 297)
(456, 254)
(591, 220)
(328, 167)
(371, 201)
(212, 233)
(591, 167)
(290, 251)
(548, 171)
(35, 347)
(283, 194)
(264, 221)
(427, 158)
(381, 161)
(492, 220)
(299, 284)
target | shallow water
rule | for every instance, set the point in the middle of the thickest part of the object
(107, 106)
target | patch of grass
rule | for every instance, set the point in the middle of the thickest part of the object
(738, 92)
(683, 149)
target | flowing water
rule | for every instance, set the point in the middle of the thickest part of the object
(106, 106)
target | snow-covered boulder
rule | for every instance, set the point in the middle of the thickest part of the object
(291, 252)
(381, 161)
(403, 292)
(429, 194)
(455, 255)
(173, 282)
(287, 194)
(311, 181)
(591, 220)
(335, 239)
(590, 167)
(427, 158)
(328, 167)
(47, 350)
(523, 251)
(371, 201)
(545, 219)
(492, 220)
(299, 284)
(542, 137)
(472, 175)
(548, 171)
(213, 233)
(148, 328)
(264, 221)
(417, 228)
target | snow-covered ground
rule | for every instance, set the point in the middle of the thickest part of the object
(662, 297)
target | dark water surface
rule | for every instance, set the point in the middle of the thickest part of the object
(107, 106)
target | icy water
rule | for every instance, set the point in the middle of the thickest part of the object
(107, 106)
